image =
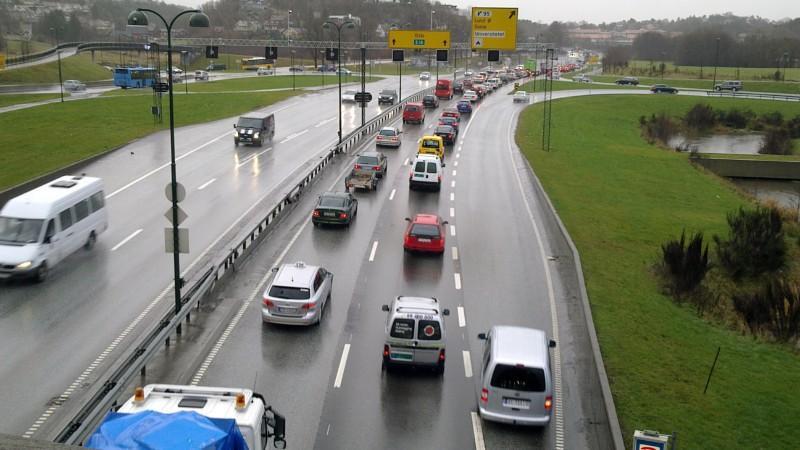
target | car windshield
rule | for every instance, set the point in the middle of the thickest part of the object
(430, 143)
(388, 133)
(368, 160)
(387, 92)
(424, 230)
(444, 129)
(349, 92)
(429, 98)
(411, 108)
(289, 293)
(332, 202)
(20, 231)
(527, 379)
(249, 122)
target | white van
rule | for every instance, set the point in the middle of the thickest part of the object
(515, 379)
(426, 172)
(414, 333)
(41, 227)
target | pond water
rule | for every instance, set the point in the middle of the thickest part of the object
(785, 193)
(740, 144)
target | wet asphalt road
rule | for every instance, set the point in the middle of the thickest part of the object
(493, 272)
(95, 302)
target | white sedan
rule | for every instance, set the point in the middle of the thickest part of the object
(472, 96)
(425, 76)
(349, 96)
(521, 97)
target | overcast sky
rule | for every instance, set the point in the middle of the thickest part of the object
(596, 11)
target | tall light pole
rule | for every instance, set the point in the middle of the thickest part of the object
(291, 67)
(58, 54)
(432, 13)
(198, 20)
(338, 27)
(785, 64)
(716, 63)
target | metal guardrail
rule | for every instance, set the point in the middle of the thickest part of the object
(16, 60)
(130, 46)
(745, 94)
(135, 359)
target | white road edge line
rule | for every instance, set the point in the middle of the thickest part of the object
(455, 163)
(125, 241)
(457, 278)
(462, 319)
(337, 383)
(252, 157)
(559, 411)
(453, 184)
(391, 196)
(293, 136)
(206, 184)
(452, 212)
(372, 252)
(477, 431)
(454, 172)
(467, 364)
(452, 196)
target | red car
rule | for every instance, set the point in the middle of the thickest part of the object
(413, 112)
(425, 233)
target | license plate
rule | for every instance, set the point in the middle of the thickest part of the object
(402, 356)
(425, 240)
(516, 403)
(329, 214)
(283, 309)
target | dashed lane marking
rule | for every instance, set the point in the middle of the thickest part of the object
(477, 431)
(125, 241)
(457, 278)
(337, 383)
(462, 319)
(391, 196)
(452, 230)
(206, 184)
(455, 253)
(372, 252)
(467, 364)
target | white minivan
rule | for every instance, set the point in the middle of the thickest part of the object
(45, 225)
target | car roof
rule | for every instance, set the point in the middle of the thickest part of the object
(431, 219)
(417, 104)
(370, 154)
(298, 274)
(520, 345)
(335, 194)
(445, 128)
(390, 128)
(428, 157)
(416, 304)
(431, 136)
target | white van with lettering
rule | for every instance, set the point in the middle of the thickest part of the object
(45, 225)
(414, 333)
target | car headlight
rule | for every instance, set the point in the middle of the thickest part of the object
(24, 265)
(255, 135)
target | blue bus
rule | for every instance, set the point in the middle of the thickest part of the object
(135, 77)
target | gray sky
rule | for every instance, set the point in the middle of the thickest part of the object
(596, 11)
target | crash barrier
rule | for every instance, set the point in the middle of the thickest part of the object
(130, 46)
(15, 60)
(133, 362)
(764, 95)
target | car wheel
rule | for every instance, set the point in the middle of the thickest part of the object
(438, 186)
(320, 315)
(236, 142)
(90, 241)
(717, 88)
(41, 272)
(440, 368)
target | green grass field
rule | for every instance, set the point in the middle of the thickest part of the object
(18, 99)
(725, 73)
(78, 67)
(753, 86)
(15, 47)
(761, 157)
(567, 86)
(80, 129)
(621, 199)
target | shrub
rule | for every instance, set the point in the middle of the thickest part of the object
(700, 117)
(658, 128)
(774, 118)
(755, 244)
(735, 118)
(686, 265)
(777, 141)
(776, 307)
(793, 126)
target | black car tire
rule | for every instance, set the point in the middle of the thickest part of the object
(717, 88)
(41, 272)
(90, 241)
(236, 142)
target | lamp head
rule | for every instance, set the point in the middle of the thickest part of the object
(199, 20)
(137, 18)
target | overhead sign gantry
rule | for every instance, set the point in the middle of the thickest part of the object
(419, 39)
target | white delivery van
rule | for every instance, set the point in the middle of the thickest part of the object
(41, 227)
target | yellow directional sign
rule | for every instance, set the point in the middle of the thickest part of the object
(2, 61)
(419, 39)
(494, 28)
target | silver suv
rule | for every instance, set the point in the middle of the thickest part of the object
(297, 295)
(729, 86)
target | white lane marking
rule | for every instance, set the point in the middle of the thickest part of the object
(452, 212)
(337, 383)
(154, 171)
(293, 136)
(453, 183)
(372, 252)
(452, 230)
(125, 241)
(391, 196)
(405, 163)
(559, 412)
(462, 320)
(324, 122)
(454, 172)
(458, 155)
(452, 196)
(455, 253)
(477, 431)
(467, 364)
(455, 164)
(457, 278)
(206, 184)
(252, 157)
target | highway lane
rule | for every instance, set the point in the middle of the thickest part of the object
(496, 276)
(94, 302)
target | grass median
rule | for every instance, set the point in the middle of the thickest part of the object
(78, 67)
(620, 199)
(18, 99)
(568, 86)
(58, 134)
(774, 87)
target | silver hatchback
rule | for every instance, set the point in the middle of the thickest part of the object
(297, 295)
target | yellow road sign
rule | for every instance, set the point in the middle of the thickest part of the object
(494, 28)
(2, 61)
(419, 39)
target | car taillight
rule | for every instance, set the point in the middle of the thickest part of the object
(358, 166)
(441, 355)
(385, 351)
(376, 167)
(440, 178)
(548, 403)
(315, 213)
(309, 305)
(484, 396)
(268, 303)
(343, 215)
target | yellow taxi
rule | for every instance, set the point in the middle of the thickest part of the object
(431, 145)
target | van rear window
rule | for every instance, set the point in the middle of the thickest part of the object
(431, 167)
(420, 167)
(526, 379)
(289, 293)
(429, 330)
(402, 328)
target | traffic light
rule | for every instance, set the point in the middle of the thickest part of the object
(212, 51)
(398, 56)
(441, 55)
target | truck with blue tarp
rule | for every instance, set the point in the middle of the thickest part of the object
(162, 416)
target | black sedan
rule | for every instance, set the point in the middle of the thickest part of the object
(430, 101)
(337, 208)
(663, 89)
(447, 133)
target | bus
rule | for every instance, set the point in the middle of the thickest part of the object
(256, 63)
(135, 77)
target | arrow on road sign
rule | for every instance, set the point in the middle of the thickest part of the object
(444, 43)
(512, 14)
(393, 41)
(477, 43)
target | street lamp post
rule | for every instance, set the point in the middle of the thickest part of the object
(291, 67)
(338, 26)
(200, 20)
(785, 64)
(716, 63)
(432, 13)
(58, 54)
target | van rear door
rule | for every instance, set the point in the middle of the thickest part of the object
(429, 342)
(518, 390)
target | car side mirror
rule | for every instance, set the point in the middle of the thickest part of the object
(279, 430)
(445, 312)
(445, 222)
(482, 336)
(47, 240)
(443, 165)
(385, 308)
(234, 126)
(552, 343)
(407, 219)
(274, 270)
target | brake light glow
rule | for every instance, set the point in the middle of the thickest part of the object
(358, 166)
(385, 351)
(376, 167)
(315, 213)
(268, 303)
(484, 396)
(548, 403)
(309, 305)
(441, 355)
(343, 215)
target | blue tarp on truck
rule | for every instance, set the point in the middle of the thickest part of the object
(150, 430)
